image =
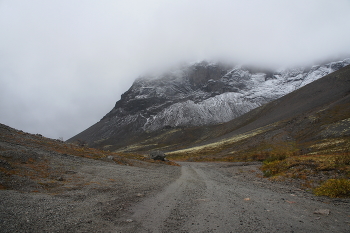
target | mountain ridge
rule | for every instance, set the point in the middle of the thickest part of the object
(322, 117)
(198, 95)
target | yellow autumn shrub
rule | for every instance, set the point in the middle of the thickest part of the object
(334, 188)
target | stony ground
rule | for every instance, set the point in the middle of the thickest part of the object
(50, 186)
(99, 196)
(93, 197)
(232, 197)
(47, 185)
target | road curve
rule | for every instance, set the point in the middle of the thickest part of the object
(208, 197)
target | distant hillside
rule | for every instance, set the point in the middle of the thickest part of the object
(196, 95)
(314, 119)
(316, 113)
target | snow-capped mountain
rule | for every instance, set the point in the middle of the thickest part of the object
(199, 94)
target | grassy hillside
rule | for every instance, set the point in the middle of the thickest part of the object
(304, 135)
(36, 163)
(306, 117)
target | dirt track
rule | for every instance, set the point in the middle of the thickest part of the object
(196, 197)
(211, 197)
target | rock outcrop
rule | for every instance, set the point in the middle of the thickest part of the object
(157, 155)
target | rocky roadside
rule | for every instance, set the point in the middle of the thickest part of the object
(47, 185)
(43, 188)
(89, 196)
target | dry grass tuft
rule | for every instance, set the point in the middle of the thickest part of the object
(334, 188)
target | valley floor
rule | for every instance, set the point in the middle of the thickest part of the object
(196, 197)
(230, 197)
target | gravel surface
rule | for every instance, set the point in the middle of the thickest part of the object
(100, 196)
(230, 197)
(92, 196)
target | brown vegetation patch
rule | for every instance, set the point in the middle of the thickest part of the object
(311, 170)
(334, 188)
(33, 162)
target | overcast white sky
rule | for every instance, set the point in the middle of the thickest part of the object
(64, 64)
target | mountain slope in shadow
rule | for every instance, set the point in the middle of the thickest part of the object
(194, 95)
(306, 118)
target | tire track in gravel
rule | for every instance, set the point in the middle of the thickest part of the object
(170, 208)
(206, 198)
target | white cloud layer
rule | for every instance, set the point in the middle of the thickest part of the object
(64, 64)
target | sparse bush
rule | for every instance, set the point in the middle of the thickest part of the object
(81, 143)
(272, 168)
(275, 157)
(334, 188)
(342, 159)
(274, 164)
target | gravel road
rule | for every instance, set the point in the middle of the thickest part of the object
(224, 197)
(44, 188)
(98, 196)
